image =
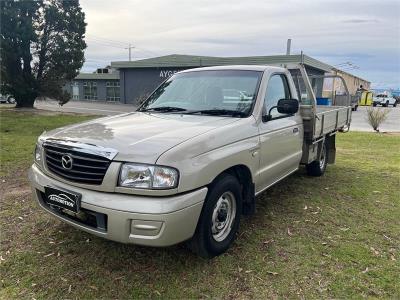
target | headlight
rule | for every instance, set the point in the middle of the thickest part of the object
(148, 177)
(38, 154)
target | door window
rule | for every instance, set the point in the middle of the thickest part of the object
(277, 89)
(90, 90)
(112, 88)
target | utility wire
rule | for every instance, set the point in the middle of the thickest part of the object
(347, 63)
(106, 40)
(104, 44)
(117, 44)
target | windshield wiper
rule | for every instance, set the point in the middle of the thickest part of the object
(163, 109)
(219, 112)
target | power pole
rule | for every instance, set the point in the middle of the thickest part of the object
(288, 46)
(130, 51)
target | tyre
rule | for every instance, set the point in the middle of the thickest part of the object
(386, 104)
(318, 167)
(374, 104)
(219, 219)
(395, 104)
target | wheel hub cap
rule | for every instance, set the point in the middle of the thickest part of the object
(223, 216)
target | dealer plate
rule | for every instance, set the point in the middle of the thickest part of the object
(62, 199)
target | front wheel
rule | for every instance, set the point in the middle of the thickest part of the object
(395, 104)
(219, 219)
(318, 167)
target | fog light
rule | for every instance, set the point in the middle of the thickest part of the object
(146, 228)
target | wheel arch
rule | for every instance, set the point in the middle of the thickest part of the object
(245, 178)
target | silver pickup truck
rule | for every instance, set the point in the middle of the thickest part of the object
(191, 160)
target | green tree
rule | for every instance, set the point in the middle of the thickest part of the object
(42, 47)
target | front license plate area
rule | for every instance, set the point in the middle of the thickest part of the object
(62, 199)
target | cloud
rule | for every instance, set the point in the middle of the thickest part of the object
(360, 21)
(362, 31)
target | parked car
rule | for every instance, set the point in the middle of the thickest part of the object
(189, 162)
(7, 99)
(384, 99)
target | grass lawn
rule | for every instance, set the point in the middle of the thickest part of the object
(337, 236)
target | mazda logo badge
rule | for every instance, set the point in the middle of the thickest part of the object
(66, 162)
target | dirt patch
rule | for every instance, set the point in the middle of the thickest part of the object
(391, 133)
(17, 191)
(14, 183)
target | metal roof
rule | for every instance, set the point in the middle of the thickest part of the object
(336, 70)
(260, 68)
(178, 60)
(97, 76)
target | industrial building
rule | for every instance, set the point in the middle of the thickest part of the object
(103, 85)
(132, 81)
(353, 82)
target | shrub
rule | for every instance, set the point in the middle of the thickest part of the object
(376, 116)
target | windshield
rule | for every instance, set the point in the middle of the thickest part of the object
(220, 92)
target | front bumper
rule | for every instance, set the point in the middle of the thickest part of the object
(142, 220)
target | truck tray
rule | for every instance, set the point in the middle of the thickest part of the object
(331, 118)
(326, 119)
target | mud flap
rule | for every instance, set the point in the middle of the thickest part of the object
(331, 144)
(249, 201)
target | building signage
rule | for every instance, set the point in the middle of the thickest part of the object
(167, 73)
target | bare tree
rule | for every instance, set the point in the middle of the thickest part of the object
(376, 116)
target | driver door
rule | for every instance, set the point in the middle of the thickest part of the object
(281, 138)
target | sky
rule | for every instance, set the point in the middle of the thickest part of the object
(365, 33)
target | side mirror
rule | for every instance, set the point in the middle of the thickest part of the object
(285, 106)
(288, 106)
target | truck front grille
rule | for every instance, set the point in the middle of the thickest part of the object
(85, 168)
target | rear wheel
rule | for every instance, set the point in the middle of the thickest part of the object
(219, 219)
(318, 167)
(374, 104)
(395, 104)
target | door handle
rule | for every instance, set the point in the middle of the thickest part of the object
(295, 130)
